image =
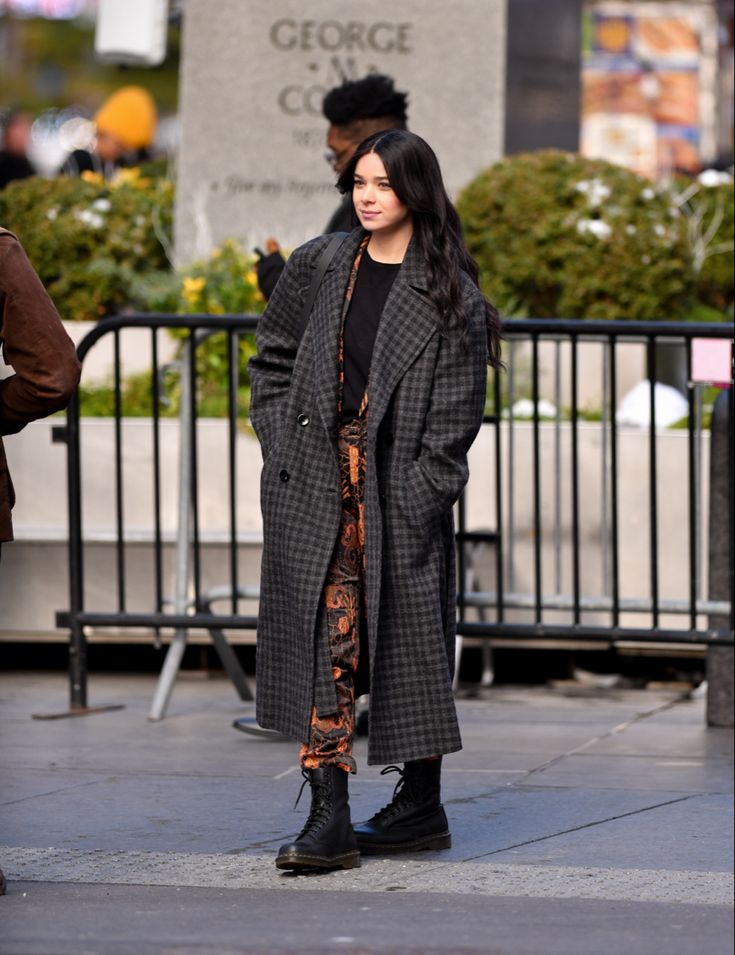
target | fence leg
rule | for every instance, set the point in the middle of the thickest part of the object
(167, 676)
(77, 668)
(720, 659)
(77, 681)
(77, 639)
(229, 661)
(175, 652)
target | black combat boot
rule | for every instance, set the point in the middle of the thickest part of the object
(327, 841)
(414, 819)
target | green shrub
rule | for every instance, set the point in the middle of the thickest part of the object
(100, 248)
(92, 243)
(97, 399)
(556, 235)
(709, 212)
(223, 283)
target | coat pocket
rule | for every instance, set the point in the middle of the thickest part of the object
(416, 497)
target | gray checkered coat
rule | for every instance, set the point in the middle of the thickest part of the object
(427, 395)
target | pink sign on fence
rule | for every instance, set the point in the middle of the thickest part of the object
(712, 360)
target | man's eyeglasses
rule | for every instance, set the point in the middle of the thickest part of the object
(336, 160)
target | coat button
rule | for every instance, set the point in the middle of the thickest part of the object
(284, 475)
(303, 420)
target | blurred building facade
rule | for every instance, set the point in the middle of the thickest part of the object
(657, 84)
(646, 83)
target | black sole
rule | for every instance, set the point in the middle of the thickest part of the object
(442, 840)
(295, 861)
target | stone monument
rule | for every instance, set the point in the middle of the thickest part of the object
(720, 659)
(252, 154)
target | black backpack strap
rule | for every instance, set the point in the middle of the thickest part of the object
(323, 263)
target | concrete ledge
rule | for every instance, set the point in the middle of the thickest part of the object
(225, 871)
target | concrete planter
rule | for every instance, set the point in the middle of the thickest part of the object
(33, 579)
(135, 351)
(633, 518)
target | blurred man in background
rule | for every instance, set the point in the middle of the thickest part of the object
(16, 137)
(125, 127)
(354, 111)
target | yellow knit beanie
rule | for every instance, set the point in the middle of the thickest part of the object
(130, 116)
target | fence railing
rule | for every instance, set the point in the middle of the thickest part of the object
(553, 540)
(572, 526)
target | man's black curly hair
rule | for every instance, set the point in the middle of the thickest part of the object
(373, 97)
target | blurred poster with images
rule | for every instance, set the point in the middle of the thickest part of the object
(647, 70)
(50, 9)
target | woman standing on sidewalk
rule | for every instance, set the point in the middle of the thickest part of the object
(365, 426)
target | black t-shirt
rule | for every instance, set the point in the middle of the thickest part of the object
(374, 281)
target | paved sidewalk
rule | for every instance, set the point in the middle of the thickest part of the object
(583, 822)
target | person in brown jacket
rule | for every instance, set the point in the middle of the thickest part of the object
(34, 343)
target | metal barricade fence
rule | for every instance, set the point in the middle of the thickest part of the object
(523, 549)
(191, 606)
(552, 551)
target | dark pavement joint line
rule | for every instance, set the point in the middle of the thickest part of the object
(518, 783)
(615, 731)
(51, 792)
(586, 825)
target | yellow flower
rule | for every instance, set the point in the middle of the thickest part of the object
(216, 308)
(191, 289)
(251, 278)
(93, 177)
(129, 176)
(193, 286)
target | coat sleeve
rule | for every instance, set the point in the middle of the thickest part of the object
(277, 340)
(35, 344)
(455, 414)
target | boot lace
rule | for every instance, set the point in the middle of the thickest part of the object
(402, 795)
(320, 811)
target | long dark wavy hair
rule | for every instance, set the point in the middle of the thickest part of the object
(415, 177)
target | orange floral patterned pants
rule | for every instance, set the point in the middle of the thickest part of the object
(330, 743)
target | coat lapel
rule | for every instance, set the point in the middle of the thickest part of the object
(407, 324)
(325, 324)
